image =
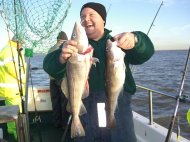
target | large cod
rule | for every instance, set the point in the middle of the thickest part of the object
(115, 77)
(75, 85)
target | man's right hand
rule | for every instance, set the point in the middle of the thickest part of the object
(69, 47)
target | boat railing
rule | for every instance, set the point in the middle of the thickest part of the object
(150, 92)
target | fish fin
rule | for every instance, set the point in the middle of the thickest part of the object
(86, 90)
(82, 109)
(64, 87)
(77, 129)
(68, 107)
(95, 60)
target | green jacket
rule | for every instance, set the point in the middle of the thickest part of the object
(142, 51)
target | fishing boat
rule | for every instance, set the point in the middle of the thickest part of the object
(41, 128)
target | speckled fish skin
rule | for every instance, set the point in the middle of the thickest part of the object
(115, 77)
(78, 67)
(76, 86)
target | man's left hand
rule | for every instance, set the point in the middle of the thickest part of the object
(126, 40)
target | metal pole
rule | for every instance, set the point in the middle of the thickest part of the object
(27, 129)
(150, 108)
(66, 129)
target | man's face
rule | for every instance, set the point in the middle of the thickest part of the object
(92, 22)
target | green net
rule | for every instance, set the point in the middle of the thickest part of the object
(36, 23)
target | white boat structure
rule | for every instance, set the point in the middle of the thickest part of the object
(152, 133)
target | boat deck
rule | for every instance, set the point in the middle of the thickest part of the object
(43, 131)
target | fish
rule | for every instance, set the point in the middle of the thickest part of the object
(115, 78)
(77, 69)
(75, 85)
(79, 35)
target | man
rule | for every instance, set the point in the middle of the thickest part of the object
(9, 77)
(57, 97)
(61, 38)
(138, 49)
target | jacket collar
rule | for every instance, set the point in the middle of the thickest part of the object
(104, 37)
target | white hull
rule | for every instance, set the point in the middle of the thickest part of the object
(151, 133)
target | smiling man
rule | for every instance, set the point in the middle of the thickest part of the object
(137, 47)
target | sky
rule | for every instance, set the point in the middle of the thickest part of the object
(170, 31)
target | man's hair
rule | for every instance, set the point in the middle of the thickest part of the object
(62, 35)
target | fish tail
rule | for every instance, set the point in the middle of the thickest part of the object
(68, 107)
(77, 129)
(110, 117)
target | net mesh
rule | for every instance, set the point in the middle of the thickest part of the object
(36, 23)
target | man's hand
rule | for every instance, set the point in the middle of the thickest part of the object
(69, 47)
(126, 40)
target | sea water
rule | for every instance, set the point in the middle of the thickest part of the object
(163, 73)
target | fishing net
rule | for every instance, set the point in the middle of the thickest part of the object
(36, 23)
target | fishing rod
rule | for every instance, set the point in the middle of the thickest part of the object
(66, 129)
(19, 59)
(23, 122)
(155, 17)
(14, 64)
(162, 3)
(170, 129)
(108, 9)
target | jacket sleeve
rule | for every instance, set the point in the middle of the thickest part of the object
(52, 66)
(142, 51)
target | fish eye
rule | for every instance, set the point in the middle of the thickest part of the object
(74, 35)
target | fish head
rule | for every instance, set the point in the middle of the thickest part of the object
(79, 35)
(113, 52)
